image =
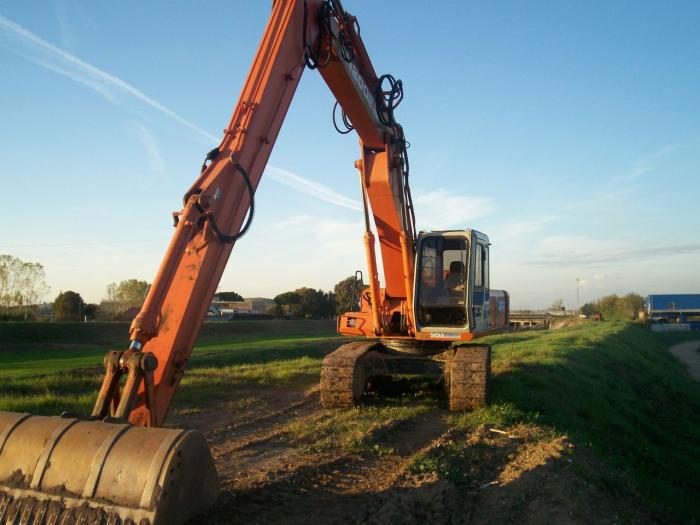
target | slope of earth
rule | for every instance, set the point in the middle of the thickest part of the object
(590, 424)
(595, 423)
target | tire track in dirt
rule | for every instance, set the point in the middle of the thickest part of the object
(267, 478)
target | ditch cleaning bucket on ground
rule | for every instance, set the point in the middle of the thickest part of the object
(56, 470)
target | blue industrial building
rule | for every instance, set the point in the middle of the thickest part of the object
(679, 309)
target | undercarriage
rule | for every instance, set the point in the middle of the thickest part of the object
(465, 370)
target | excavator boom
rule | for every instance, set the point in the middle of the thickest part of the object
(111, 469)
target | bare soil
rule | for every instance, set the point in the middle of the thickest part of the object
(518, 475)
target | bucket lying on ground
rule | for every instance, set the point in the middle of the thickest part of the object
(66, 470)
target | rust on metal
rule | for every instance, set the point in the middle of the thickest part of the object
(66, 470)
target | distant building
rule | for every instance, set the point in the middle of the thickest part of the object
(224, 308)
(252, 305)
(674, 309)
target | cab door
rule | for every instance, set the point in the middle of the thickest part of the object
(480, 285)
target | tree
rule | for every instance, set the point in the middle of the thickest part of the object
(344, 300)
(68, 306)
(287, 303)
(91, 311)
(589, 309)
(633, 304)
(22, 284)
(625, 308)
(607, 306)
(276, 309)
(127, 294)
(229, 296)
(305, 302)
(558, 304)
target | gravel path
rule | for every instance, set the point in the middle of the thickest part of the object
(689, 353)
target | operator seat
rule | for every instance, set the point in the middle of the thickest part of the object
(455, 282)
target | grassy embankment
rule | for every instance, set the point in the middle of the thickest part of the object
(611, 387)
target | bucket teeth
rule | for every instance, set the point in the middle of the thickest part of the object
(32, 511)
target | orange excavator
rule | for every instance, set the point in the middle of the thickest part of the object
(120, 466)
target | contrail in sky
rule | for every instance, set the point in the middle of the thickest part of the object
(316, 189)
(46, 55)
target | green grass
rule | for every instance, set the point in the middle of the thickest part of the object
(369, 427)
(224, 362)
(28, 349)
(612, 387)
(356, 430)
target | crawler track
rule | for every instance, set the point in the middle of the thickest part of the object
(343, 375)
(467, 377)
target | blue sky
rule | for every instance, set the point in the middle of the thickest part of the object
(569, 132)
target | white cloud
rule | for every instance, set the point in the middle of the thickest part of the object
(293, 222)
(306, 250)
(521, 228)
(440, 209)
(648, 163)
(580, 251)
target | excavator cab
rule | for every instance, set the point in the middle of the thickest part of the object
(453, 305)
(452, 281)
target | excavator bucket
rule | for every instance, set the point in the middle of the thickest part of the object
(58, 470)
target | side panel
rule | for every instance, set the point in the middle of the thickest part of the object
(499, 309)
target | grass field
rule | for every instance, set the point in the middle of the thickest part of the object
(611, 388)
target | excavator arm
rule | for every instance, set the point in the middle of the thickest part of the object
(219, 205)
(110, 468)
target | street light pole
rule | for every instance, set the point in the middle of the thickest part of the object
(578, 305)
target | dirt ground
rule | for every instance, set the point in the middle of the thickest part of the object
(689, 353)
(517, 475)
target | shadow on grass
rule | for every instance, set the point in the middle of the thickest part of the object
(616, 389)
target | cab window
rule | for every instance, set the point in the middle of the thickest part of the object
(442, 281)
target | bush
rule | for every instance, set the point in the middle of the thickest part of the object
(68, 306)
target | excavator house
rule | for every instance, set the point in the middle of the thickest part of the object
(119, 465)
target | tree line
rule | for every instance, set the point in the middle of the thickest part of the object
(626, 307)
(120, 299)
(123, 297)
(22, 285)
(316, 304)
